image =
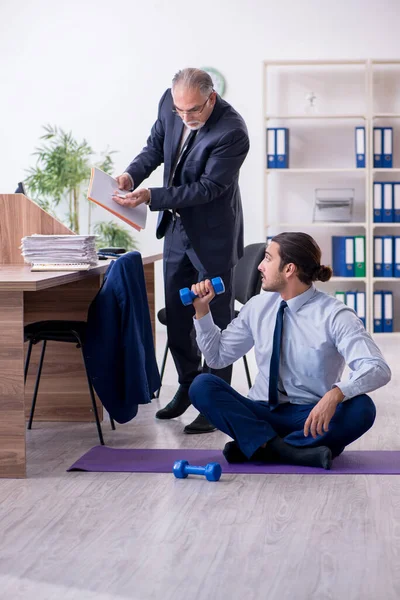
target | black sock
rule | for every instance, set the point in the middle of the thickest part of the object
(320, 456)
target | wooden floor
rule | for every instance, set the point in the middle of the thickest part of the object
(151, 536)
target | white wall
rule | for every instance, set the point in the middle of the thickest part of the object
(98, 68)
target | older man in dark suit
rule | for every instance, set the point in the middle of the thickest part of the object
(202, 142)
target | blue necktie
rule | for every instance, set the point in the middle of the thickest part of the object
(276, 354)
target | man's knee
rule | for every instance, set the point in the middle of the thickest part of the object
(366, 410)
(202, 390)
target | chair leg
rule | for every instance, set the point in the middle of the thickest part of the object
(112, 423)
(28, 360)
(95, 412)
(35, 393)
(164, 362)
(246, 368)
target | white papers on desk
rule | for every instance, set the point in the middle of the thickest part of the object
(59, 249)
(101, 189)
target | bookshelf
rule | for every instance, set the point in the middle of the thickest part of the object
(346, 94)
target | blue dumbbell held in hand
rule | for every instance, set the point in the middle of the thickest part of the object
(212, 471)
(187, 296)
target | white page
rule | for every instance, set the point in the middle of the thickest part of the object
(101, 189)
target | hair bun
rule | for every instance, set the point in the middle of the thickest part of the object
(324, 273)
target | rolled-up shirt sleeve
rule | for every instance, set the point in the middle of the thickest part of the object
(368, 368)
(222, 348)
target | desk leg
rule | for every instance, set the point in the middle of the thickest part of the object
(12, 416)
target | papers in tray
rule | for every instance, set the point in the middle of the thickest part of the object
(101, 189)
(59, 249)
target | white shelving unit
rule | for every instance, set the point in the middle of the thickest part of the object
(350, 94)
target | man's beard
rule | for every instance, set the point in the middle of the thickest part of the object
(194, 126)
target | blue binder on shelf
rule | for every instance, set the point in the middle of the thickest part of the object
(396, 256)
(396, 201)
(378, 146)
(387, 303)
(387, 192)
(360, 306)
(387, 152)
(360, 147)
(378, 203)
(271, 148)
(378, 256)
(378, 312)
(343, 256)
(282, 148)
(351, 300)
(387, 256)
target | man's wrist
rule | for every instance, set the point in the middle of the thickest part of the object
(131, 178)
(148, 202)
(337, 394)
(200, 313)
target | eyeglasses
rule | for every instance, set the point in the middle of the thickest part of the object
(196, 110)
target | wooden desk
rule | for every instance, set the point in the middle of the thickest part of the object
(26, 297)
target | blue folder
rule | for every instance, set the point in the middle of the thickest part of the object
(378, 312)
(282, 148)
(360, 147)
(396, 256)
(360, 306)
(378, 147)
(387, 305)
(378, 256)
(378, 202)
(271, 148)
(387, 148)
(343, 256)
(387, 200)
(387, 256)
(396, 201)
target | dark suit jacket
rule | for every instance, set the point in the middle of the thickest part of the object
(205, 190)
(119, 348)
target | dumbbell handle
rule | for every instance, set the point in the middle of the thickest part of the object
(193, 470)
(187, 296)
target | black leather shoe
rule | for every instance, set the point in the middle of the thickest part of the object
(179, 403)
(200, 425)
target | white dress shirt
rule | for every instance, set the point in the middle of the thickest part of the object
(320, 336)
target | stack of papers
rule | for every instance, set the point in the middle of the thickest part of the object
(59, 249)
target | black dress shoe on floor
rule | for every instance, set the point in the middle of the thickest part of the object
(200, 425)
(179, 403)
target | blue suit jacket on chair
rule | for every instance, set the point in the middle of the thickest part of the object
(119, 347)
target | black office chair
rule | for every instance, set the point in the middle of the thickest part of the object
(58, 331)
(247, 284)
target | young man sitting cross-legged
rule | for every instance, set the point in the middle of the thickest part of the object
(300, 410)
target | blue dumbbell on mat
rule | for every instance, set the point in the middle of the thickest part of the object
(182, 469)
(187, 296)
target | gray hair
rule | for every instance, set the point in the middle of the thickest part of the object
(194, 78)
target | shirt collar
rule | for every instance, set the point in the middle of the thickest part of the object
(298, 301)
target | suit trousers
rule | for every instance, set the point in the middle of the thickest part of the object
(182, 268)
(252, 423)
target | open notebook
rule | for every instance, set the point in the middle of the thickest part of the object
(101, 189)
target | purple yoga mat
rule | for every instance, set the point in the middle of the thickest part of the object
(134, 460)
